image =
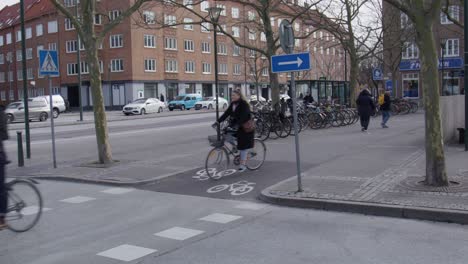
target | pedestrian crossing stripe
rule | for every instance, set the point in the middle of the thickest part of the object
(48, 61)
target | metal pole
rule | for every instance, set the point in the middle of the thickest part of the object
(466, 74)
(442, 69)
(19, 137)
(25, 82)
(218, 128)
(52, 123)
(9, 80)
(79, 65)
(296, 133)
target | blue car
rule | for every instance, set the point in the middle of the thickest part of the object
(184, 102)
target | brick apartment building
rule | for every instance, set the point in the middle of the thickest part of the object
(401, 54)
(146, 61)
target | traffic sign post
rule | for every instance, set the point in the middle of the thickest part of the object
(377, 74)
(49, 65)
(291, 63)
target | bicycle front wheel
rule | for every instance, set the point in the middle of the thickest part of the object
(256, 156)
(216, 163)
(24, 205)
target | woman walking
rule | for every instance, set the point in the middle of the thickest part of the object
(239, 111)
(366, 108)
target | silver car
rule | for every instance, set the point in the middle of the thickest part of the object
(38, 110)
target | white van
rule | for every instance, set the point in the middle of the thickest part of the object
(59, 103)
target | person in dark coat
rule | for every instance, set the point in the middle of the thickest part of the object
(308, 99)
(385, 108)
(239, 111)
(3, 162)
(161, 98)
(366, 108)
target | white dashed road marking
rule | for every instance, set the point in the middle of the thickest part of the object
(220, 218)
(126, 252)
(33, 209)
(117, 191)
(250, 206)
(179, 233)
(78, 199)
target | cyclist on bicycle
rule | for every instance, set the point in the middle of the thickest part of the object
(3, 162)
(239, 111)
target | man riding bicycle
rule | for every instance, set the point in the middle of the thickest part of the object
(239, 111)
(3, 162)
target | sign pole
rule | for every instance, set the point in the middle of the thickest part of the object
(25, 82)
(296, 133)
(466, 76)
(52, 122)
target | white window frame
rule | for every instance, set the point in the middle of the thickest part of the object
(188, 26)
(236, 69)
(2, 41)
(28, 33)
(170, 43)
(189, 45)
(222, 49)
(8, 38)
(235, 12)
(206, 47)
(116, 41)
(114, 14)
(452, 48)
(149, 41)
(52, 27)
(171, 66)
(71, 46)
(150, 65)
(149, 17)
(170, 20)
(189, 66)
(236, 32)
(223, 69)
(188, 4)
(206, 68)
(69, 25)
(39, 30)
(410, 51)
(205, 27)
(117, 65)
(204, 5)
(18, 36)
(454, 12)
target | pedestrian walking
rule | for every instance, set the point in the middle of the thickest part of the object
(161, 98)
(239, 111)
(366, 108)
(385, 108)
(3, 162)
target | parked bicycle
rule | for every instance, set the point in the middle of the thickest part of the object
(218, 158)
(24, 204)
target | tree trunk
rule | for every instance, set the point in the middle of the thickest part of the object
(435, 159)
(354, 75)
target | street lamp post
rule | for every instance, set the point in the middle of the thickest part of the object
(466, 74)
(25, 83)
(215, 12)
(78, 66)
(10, 80)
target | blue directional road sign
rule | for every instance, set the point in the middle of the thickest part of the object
(290, 62)
(377, 75)
(48, 62)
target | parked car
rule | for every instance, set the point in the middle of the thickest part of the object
(210, 103)
(59, 104)
(38, 110)
(144, 106)
(186, 101)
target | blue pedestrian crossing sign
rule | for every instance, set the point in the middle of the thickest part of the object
(48, 62)
(290, 62)
(377, 74)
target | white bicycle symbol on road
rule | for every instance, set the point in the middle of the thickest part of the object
(203, 176)
(237, 188)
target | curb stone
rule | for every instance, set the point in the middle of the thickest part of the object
(367, 208)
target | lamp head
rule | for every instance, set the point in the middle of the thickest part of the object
(215, 12)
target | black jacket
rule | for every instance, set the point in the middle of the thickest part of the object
(238, 117)
(387, 103)
(365, 103)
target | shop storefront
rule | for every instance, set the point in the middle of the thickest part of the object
(324, 90)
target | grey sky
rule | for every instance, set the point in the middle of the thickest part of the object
(4, 3)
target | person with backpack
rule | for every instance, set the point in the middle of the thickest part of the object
(366, 108)
(385, 107)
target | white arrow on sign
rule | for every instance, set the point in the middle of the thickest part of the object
(298, 62)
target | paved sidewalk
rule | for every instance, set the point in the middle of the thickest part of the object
(398, 191)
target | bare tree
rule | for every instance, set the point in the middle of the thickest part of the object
(91, 40)
(256, 67)
(424, 13)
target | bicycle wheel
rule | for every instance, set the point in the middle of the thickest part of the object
(216, 162)
(256, 156)
(262, 131)
(286, 128)
(24, 205)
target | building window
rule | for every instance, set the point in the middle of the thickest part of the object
(451, 84)
(265, 71)
(97, 19)
(170, 43)
(2, 59)
(454, 13)
(235, 12)
(30, 74)
(84, 67)
(39, 30)
(18, 36)
(149, 17)
(451, 48)
(410, 51)
(150, 65)
(252, 53)
(251, 16)
(19, 55)
(222, 49)
(71, 46)
(116, 41)
(189, 46)
(411, 85)
(52, 46)
(187, 24)
(321, 50)
(190, 67)
(188, 4)
(170, 20)
(252, 35)
(114, 14)
(223, 69)
(206, 67)
(262, 37)
(3, 95)
(171, 66)
(204, 5)
(69, 3)
(206, 48)
(150, 41)
(1, 41)
(29, 53)
(236, 32)
(69, 25)
(52, 27)
(117, 65)
(8, 38)
(28, 33)
(237, 69)
(12, 95)
(2, 77)
(236, 51)
(223, 12)
(205, 27)
(297, 27)
(72, 69)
